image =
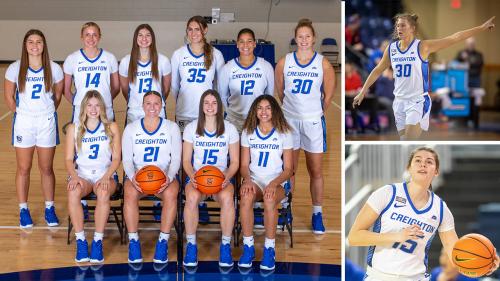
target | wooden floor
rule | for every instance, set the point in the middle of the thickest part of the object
(46, 248)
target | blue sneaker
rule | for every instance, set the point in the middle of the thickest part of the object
(82, 251)
(191, 258)
(225, 257)
(247, 256)
(161, 252)
(50, 216)
(134, 251)
(25, 218)
(258, 218)
(317, 224)
(86, 215)
(157, 211)
(203, 217)
(96, 255)
(268, 259)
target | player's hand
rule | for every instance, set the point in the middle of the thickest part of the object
(135, 184)
(193, 181)
(270, 190)
(247, 188)
(225, 182)
(164, 185)
(496, 262)
(74, 182)
(412, 232)
(488, 24)
(103, 183)
(358, 99)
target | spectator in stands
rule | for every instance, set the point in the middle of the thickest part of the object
(475, 60)
(353, 39)
(376, 55)
(384, 88)
(447, 272)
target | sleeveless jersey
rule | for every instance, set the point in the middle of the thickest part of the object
(411, 72)
(35, 98)
(210, 149)
(144, 81)
(91, 74)
(190, 79)
(410, 257)
(303, 96)
(95, 153)
(239, 86)
(266, 151)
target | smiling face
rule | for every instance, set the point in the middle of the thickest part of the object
(34, 45)
(93, 108)
(264, 111)
(90, 37)
(423, 166)
(152, 106)
(144, 38)
(246, 44)
(404, 29)
(304, 38)
(195, 32)
(210, 105)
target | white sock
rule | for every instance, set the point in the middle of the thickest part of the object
(80, 235)
(98, 236)
(317, 209)
(84, 202)
(49, 204)
(191, 238)
(133, 236)
(269, 243)
(258, 205)
(248, 241)
(164, 236)
(23, 205)
(226, 240)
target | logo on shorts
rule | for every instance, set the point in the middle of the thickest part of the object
(19, 139)
(315, 123)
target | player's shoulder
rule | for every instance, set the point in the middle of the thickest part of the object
(229, 126)
(180, 51)
(263, 63)
(14, 66)
(162, 58)
(125, 59)
(191, 126)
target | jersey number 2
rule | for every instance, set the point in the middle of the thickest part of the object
(37, 89)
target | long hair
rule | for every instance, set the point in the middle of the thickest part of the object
(207, 48)
(23, 68)
(82, 126)
(91, 24)
(305, 23)
(135, 54)
(219, 117)
(278, 119)
(423, 148)
(412, 20)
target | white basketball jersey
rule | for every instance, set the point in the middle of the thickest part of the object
(210, 149)
(144, 81)
(35, 98)
(95, 154)
(411, 72)
(190, 79)
(303, 96)
(266, 151)
(91, 74)
(408, 258)
(239, 86)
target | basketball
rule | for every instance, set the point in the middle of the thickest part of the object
(473, 254)
(209, 179)
(150, 178)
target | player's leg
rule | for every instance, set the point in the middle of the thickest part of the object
(270, 221)
(249, 193)
(225, 197)
(316, 185)
(45, 165)
(169, 210)
(24, 157)
(413, 132)
(131, 213)
(193, 198)
(76, 214)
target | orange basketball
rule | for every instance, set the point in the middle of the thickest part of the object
(473, 254)
(209, 179)
(150, 179)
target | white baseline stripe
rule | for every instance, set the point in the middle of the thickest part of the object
(336, 105)
(5, 115)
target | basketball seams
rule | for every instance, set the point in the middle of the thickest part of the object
(487, 248)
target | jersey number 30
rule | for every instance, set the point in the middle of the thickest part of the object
(403, 70)
(302, 86)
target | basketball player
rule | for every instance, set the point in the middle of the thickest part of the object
(210, 140)
(243, 79)
(95, 141)
(405, 218)
(91, 68)
(305, 81)
(266, 167)
(194, 68)
(33, 89)
(408, 56)
(151, 140)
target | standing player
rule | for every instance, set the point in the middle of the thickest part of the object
(194, 68)
(305, 81)
(408, 56)
(33, 89)
(405, 218)
(243, 79)
(210, 140)
(95, 142)
(151, 140)
(91, 68)
(266, 167)
(143, 70)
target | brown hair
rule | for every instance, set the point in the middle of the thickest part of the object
(219, 117)
(278, 119)
(207, 48)
(90, 24)
(24, 64)
(135, 53)
(82, 126)
(305, 23)
(151, 93)
(423, 148)
(412, 20)
(246, 31)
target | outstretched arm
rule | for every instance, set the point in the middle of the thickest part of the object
(428, 47)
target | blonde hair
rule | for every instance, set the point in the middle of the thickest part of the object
(82, 118)
(91, 24)
(305, 23)
(412, 20)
